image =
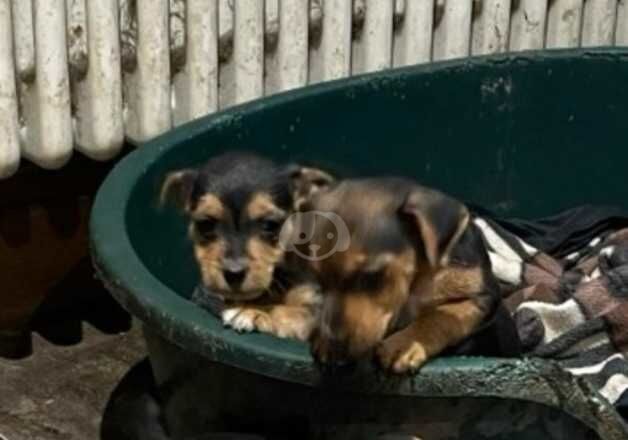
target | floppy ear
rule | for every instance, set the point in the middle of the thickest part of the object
(306, 182)
(177, 188)
(441, 221)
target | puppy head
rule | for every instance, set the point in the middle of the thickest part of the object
(236, 205)
(399, 232)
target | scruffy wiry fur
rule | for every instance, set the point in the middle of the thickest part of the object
(237, 204)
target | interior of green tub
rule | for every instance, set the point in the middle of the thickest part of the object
(525, 136)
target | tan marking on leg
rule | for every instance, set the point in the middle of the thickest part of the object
(306, 295)
(296, 316)
(430, 334)
(292, 321)
(448, 284)
(453, 282)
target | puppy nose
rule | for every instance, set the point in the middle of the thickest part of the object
(234, 277)
(234, 270)
(339, 353)
(333, 353)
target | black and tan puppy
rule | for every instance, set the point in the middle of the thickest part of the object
(415, 277)
(237, 204)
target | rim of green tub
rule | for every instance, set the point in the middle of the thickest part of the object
(180, 321)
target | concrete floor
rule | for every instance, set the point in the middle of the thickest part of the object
(59, 393)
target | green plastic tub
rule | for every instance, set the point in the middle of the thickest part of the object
(524, 135)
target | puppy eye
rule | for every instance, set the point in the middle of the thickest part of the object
(270, 226)
(206, 227)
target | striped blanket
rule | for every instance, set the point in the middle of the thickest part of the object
(571, 308)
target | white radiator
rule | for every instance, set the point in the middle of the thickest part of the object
(84, 74)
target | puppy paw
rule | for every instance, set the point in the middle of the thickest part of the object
(245, 320)
(292, 332)
(292, 322)
(401, 354)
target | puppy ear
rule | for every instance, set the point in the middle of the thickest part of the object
(441, 221)
(306, 182)
(177, 188)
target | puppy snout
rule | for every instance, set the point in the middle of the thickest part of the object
(234, 279)
(235, 271)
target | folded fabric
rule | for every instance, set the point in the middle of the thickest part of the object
(569, 302)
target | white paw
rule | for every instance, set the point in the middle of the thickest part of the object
(240, 322)
(247, 319)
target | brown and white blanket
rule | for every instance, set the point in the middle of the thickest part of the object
(572, 308)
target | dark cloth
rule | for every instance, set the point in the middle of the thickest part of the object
(622, 405)
(566, 232)
(497, 337)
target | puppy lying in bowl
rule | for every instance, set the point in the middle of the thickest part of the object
(403, 271)
(236, 205)
(413, 278)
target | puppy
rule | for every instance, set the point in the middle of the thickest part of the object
(414, 277)
(237, 204)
